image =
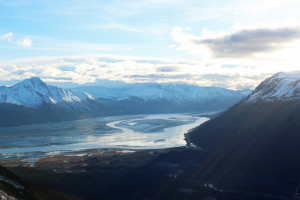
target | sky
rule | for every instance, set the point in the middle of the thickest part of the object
(233, 44)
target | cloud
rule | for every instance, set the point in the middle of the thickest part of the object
(6, 36)
(237, 44)
(26, 42)
(248, 42)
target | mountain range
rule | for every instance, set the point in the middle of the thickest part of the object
(33, 101)
(141, 98)
(168, 91)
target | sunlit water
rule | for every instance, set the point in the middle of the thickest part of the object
(132, 132)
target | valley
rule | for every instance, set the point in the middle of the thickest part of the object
(249, 151)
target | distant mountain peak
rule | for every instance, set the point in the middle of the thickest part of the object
(34, 80)
(34, 83)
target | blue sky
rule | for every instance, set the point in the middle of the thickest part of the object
(233, 44)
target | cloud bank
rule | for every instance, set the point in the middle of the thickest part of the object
(93, 70)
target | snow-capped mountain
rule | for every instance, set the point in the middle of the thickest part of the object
(268, 120)
(280, 87)
(33, 101)
(34, 92)
(170, 92)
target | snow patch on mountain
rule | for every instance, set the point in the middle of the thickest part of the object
(280, 87)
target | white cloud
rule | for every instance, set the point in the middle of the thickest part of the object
(26, 42)
(186, 43)
(6, 36)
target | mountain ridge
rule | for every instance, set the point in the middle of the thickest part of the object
(266, 120)
(152, 91)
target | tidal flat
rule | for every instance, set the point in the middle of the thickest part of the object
(156, 131)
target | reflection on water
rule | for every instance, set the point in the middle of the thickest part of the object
(132, 131)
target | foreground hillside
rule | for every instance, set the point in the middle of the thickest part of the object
(177, 173)
(268, 120)
(255, 144)
(14, 188)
